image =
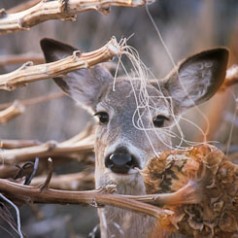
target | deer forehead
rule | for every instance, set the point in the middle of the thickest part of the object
(127, 98)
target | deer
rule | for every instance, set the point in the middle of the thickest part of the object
(129, 132)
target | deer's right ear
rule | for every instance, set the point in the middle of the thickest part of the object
(85, 86)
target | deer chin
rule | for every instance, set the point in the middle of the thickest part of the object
(130, 183)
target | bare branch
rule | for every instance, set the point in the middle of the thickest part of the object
(21, 59)
(74, 181)
(11, 112)
(13, 144)
(30, 73)
(49, 149)
(231, 77)
(25, 194)
(23, 6)
(35, 100)
(61, 9)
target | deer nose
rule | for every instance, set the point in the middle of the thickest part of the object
(121, 161)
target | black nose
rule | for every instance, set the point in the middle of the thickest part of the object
(121, 161)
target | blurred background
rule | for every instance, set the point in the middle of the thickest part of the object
(186, 26)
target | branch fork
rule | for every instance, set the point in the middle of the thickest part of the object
(29, 73)
(58, 9)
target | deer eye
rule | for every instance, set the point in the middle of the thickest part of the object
(159, 120)
(103, 117)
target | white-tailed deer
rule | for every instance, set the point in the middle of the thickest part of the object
(131, 128)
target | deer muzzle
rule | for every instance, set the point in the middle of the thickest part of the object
(121, 161)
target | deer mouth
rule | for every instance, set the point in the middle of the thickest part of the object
(121, 161)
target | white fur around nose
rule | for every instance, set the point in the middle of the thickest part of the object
(133, 150)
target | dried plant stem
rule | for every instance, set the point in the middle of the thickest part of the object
(11, 112)
(60, 9)
(35, 100)
(13, 144)
(231, 77)
(26, 194)
(30, 73)
(23, 6)
(188, 194)
(49, 149)
(21, 59)
(74, 181)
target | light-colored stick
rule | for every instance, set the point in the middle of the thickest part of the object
(21, 59)
(58, 9)
(35, 100)
(49, 149)
(11, 112)
(74, 181)
(231, 76)
(29, 73)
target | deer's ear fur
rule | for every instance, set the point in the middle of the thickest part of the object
(197, 78)
(84, 85)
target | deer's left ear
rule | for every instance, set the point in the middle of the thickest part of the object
(197, 78)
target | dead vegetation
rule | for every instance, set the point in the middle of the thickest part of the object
(201, 167)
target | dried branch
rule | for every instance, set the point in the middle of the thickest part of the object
(13, 144)
(8, 171)
(74, 181)
(21, 59)
(11, 112)
(25, 194)
(30, 73)
(61, 9)
(35, 100)
(49, 149)
(231, 77)
(23, 6)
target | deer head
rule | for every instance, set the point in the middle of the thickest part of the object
(129, 132)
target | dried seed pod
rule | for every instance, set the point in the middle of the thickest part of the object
(212, 179)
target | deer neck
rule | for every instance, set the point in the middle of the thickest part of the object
(122, 223)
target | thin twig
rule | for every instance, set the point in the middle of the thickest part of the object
(29, 73)
(49, 175)
(46, 10)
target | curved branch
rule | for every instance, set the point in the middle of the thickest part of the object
(29, 73)
(231, 77)
(22, 193)
(61, 9)
(49, 149)
(11, 112)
